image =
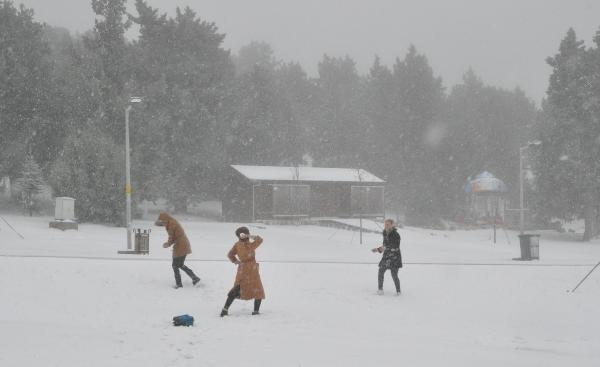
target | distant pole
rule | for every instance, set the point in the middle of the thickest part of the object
(128, 171)
(361, 229)
(361, 205)
(521, 179)
(127, 179)
(253, 204)
(495, 218)
(521, 209)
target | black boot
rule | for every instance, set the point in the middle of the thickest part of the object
(195, 281)
(228, 303)
(256, 307)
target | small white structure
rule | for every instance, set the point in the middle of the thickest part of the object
(64, 209)
(64, 214)
(5, 187)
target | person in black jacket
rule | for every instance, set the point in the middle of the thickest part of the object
(392, 257)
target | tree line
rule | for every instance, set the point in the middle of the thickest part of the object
(567, 163)
(63, 98)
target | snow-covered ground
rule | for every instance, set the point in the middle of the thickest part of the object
(68, 299)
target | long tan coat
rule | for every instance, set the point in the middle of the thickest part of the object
(248, 276)
(177, 237)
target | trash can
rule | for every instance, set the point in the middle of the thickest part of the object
(142, 241)
(530, 246)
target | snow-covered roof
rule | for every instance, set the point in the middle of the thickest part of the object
(310, 174)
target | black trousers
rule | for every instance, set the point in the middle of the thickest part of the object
(235, 293)
(178, 263)
(394, 272)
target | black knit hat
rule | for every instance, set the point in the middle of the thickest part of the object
(241, 230)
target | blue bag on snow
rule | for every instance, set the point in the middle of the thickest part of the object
(183, 320)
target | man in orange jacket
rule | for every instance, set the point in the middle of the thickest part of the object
(181, 247)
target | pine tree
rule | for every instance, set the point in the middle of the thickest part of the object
(261, 115)
(419, 98)
(183, 73)
(31, 183)
(255, 54)
(568, 167)
(298, 94)
(269, 120)
(110, 68)
(381, 134)
(24, 79)
(339, 120)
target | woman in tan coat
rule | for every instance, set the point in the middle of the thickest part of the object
(247, 283)
(181, 247)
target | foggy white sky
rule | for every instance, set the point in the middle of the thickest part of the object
(505, 41)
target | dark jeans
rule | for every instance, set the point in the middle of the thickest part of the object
(235, 293)
(178, 263)
(394, 272)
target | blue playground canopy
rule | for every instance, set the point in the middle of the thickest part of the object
(485, 182)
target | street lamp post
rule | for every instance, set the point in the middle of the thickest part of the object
(128, 171)
(521, 213)
(521, 195)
